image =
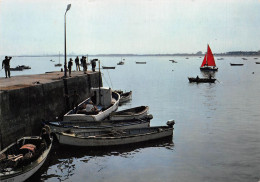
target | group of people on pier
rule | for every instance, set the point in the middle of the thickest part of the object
(83, 62)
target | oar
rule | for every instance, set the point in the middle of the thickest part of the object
(217, 80)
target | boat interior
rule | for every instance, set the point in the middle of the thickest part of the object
(21, 153)
(120, 133)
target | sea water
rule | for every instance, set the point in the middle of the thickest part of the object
(216, 135)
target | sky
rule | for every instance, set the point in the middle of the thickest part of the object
(128, 26)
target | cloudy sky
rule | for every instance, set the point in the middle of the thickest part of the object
(129, 26)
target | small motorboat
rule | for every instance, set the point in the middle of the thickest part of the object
(121, 62)
(115, 137)
(108, 67)
(236, 64)
(20, 68)
(202, 80)
(140, 62)
(105, 101)
(257, 62)
(23, 158)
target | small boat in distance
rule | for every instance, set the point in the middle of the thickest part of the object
(140, 62)
(20, 68)
(236, 64)
(173, 61)
(108, 67)
(257, 62)
(115, 137)
(59, 64)
(121, 62)
(202, 80)
(208, 63)
(244, 58)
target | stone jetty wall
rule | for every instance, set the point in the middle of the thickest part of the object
(23, 110)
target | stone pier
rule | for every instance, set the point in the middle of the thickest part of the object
(28, 100)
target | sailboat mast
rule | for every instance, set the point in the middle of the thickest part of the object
(99, 82)
(207, 55)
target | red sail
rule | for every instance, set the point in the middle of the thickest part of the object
(204, 61)
(208, 59)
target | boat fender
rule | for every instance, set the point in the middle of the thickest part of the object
(170, 123)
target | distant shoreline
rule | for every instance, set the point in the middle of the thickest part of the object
(239, 53)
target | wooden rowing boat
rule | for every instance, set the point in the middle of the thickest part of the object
(22, 159)
(140, 112)
(61, 126)
(116, 137)
(202, 80)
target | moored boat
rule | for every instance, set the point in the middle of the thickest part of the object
(236, 64)
(22, 159)
(202, 80)
(257, 62)
(140, 62)
(208, 63)
(108, 67)
(125, 97)
(115, 137)
(20, 68)
(121, 62)
(61, 126)
(140, 112)
(105, 101)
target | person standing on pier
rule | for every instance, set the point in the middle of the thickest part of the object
(70, 66)
(6, 64)
(93, 64)
(84, 65)
(77, 63)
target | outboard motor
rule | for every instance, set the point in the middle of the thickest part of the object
(170, 123)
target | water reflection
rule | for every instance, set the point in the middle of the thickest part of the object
(62, 162)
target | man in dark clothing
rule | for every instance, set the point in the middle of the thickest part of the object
(6, 64)
(93, 64)
(84, 65)
(77, 63)
(70, 66)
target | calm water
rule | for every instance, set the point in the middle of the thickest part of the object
(217, 130)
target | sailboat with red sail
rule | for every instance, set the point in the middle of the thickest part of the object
(208, 63)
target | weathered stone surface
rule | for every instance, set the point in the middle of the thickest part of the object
(23, 108)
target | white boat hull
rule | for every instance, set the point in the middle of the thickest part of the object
(133, 115)
(97, 128)
(69, 139)
(95, 117)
